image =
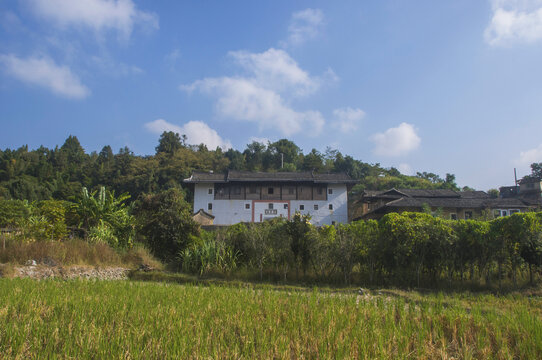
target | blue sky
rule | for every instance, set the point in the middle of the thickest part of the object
(438, 86)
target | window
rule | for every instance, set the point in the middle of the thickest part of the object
(333, 222)
(252, 190)
(285, 206)
(468, 215)
(330, 191)
(236, 190)
(210, 192)
(210, 206)
(301, 207)
(247, 206)
(453, 216)
(315, 206)
(504, 213)
(330, 206)
(270, 206)
(270, 191)
(290, 191)
(513, 211)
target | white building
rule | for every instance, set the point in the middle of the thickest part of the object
(241, 196)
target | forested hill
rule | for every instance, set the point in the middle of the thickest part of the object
(60, 173)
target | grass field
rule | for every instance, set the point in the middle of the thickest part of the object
(131, 319)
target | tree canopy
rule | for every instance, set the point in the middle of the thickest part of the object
(61, 172)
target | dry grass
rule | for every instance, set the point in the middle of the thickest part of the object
(75, 252)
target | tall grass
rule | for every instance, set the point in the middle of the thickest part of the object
(75, 252)
(81, 319)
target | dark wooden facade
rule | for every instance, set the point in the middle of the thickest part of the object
(270, 191)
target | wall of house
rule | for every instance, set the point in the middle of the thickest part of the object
(229, 212)
(324, 216)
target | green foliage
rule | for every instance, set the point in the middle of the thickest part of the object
(299, 230)
(60, 173)
(13, 212)
(494, 193)
(101, 210)
(165, 221)
(209, 253)
(102, 233)
(170, 142)
(54, 212)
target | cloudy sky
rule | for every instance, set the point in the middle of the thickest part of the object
(440, 86)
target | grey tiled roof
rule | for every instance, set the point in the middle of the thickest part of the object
(426, 193)
(235, 176)
(208, 177)
(474, 203)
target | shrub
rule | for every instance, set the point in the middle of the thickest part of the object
(165, 220)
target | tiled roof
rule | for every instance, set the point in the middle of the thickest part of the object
(426, 193)
(234, 176)
(458, 203)
(209, 177)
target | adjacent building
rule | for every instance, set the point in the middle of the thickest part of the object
(451, 204)
(529, 190)
(241, 196)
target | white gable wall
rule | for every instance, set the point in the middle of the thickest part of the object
(229, 212)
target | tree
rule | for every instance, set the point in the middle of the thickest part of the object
(106, 155)
(369, 247)
(298, 230)
(254, 155)
(346, 250)
(169, 142)
(73, 150)
(165, 220)
(237, 159)
(313, 161)
(493, 193)
(536, 171)
(285, 151)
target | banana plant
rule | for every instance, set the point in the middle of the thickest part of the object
(101, 206)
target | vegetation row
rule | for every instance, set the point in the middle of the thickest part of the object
(409, 249)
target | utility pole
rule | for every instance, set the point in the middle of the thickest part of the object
(281, 160)
(515, 177)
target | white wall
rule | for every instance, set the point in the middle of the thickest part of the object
(229, 212)
(324, 216)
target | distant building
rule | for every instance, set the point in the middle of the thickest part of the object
(242, 196)
(452, 204)
(203, 218)
(529, 190)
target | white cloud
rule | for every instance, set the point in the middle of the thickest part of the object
(396, 141)
(347, 119)
(197, 132)
(45, 73)
(528, 157)
(259, 95)
(242, 99)
(99, 15)
(172, 57)
(514, 21)
(275, 69)
(405, 169)
(304, 25)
